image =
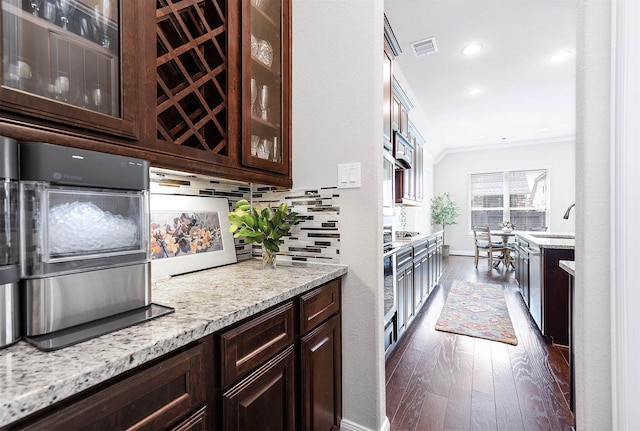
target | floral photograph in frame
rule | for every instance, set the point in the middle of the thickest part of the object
(189, 233)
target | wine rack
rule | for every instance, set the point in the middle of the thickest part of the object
(192, 74)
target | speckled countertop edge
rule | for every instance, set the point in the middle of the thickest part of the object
(568, 265)
(205, 302)
(559, 243)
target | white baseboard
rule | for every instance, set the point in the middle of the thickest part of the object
(347, 425)
(461, 253)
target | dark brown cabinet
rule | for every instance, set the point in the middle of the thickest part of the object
(321, 371)
(74, 70)
(280, 369)
(404, 287)
(265, 400)
(171, 84)
(389, 115)
(261, 382)
(418, 269)
(266, 82)
(154, 398)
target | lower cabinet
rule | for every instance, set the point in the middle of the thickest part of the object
(280, 369)
(418, 269)
(162, 396)
(263, 388)
(264, 400)
(321, 370)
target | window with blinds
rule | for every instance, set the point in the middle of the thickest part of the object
(517, 196)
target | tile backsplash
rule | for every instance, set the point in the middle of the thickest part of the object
(315, 239)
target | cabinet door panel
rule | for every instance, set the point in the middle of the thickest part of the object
(61, 75)
(321, 377)
(264, 400)
(266, 63)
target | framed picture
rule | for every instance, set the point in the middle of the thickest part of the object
(189, 233)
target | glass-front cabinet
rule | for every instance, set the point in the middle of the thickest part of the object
(64, 61)
(266, 85)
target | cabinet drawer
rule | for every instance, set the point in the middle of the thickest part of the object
(246, 347)
(318, 305)
(149, 400)
(195, 422)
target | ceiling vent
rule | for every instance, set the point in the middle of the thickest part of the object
(424, 47)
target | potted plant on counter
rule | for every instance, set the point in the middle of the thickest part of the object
(264, 227)
(444, 211)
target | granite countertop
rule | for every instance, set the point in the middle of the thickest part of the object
(569, 266)
(204, 302)
(400, 243)
(555, 240)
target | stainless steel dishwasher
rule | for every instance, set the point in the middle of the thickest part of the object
(535, 284)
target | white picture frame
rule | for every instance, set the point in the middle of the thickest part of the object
(189, 233)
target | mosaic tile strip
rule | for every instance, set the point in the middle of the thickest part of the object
(177, 183)
(317, 237)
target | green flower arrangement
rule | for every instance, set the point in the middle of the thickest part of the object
(264, 226)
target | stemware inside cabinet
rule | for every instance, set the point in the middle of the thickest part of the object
(266, 62)
(71, 64)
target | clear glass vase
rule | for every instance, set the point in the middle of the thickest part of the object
(268, 258)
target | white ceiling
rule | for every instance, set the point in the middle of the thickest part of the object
(524, 91)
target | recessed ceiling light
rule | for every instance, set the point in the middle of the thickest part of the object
(471, 49)
(480, 137)
(474, 91)
(562, 55)
(544, 129)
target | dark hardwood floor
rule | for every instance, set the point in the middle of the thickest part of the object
(441, 381)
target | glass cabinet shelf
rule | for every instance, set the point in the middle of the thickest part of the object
(266, 70)
(63, 50)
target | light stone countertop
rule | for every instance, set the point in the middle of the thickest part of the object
(204, 302)
(569, 266)
(549, 239)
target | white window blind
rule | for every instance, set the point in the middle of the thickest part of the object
(517, 196)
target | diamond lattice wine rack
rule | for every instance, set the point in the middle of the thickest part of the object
(192, 74)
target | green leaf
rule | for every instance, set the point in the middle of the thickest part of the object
(249, 220)
(233, 228)
(271, 244)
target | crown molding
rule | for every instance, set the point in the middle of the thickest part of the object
(503, 145)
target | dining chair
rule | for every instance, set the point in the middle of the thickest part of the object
(484, 244)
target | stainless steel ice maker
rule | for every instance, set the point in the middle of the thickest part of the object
(84, 238)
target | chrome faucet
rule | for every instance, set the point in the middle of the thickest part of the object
(566, 214)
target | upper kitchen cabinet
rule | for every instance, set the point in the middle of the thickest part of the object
(70, 66)
(197, 89)
(209, 53)
(391, 51)
(266, 92)
(409, 182)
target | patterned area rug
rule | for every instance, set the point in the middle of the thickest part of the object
(477, 310)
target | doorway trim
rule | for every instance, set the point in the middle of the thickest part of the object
(625, 207)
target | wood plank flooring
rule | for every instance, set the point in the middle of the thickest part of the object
(442, 381)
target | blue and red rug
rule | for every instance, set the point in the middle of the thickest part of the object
(477, 310)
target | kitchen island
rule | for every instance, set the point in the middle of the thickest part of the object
(543, 284)
(205, 302)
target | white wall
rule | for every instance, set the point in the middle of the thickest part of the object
(452, 175)
(337, 118)
(592, 318)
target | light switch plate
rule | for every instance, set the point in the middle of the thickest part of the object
(349, 176)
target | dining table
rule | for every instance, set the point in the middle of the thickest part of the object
(505, 258)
